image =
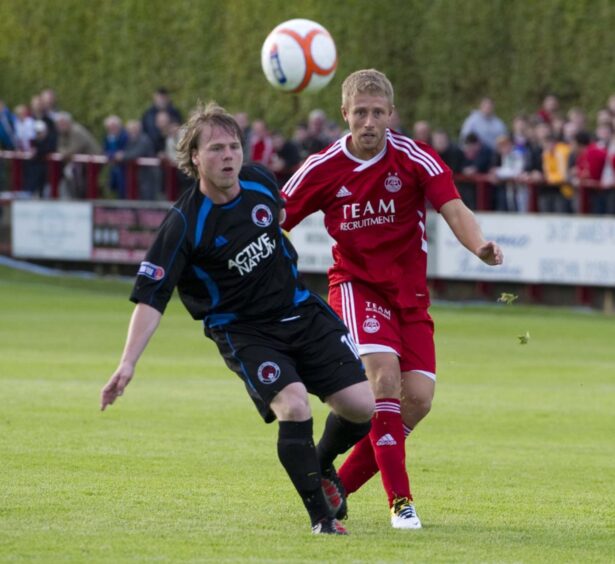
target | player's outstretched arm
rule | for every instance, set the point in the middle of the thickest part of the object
(143, 324)
(463, 224)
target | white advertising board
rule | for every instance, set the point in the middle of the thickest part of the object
(539, 249)
(51, 230)
(313, 244)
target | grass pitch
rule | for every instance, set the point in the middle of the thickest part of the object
(516, 462)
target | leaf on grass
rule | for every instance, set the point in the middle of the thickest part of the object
(524, 339)
(506, 298)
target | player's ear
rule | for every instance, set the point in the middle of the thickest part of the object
(344, 113)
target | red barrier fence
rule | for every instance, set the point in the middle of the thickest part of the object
(93, 163)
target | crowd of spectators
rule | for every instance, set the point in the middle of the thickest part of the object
(550, 152)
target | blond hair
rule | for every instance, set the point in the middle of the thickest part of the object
(367, 81)
(211, 114)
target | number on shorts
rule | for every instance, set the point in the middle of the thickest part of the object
(349, 342)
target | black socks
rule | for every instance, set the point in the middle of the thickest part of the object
(297, 454)
(339, 435)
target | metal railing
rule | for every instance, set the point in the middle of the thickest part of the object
(483, 183)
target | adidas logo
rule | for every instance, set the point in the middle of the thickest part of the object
(343, 192)
(386, 440)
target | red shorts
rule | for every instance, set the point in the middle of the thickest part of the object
(376, 326)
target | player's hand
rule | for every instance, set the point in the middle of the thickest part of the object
(116, 385)
(490, 253)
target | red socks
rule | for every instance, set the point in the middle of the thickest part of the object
(382, 449)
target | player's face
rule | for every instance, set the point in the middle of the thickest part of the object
(368, 117)
(218, 159)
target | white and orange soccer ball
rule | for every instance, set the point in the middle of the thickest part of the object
(299, 56)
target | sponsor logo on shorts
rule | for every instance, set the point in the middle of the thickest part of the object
(150, 270)
(393, 183)
(261, 215)
(371, 325)
(375, 308)
(268, 372)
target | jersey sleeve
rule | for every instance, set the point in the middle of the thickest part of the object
(164, 263)
(435, 177)
(301, 194)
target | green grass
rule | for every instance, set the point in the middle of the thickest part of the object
(516, 462)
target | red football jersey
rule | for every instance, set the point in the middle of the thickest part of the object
(375, 211)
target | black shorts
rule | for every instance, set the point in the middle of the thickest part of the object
(310, 345)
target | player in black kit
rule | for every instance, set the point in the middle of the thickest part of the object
(221, 245)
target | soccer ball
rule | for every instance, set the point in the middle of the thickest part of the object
(299, 56)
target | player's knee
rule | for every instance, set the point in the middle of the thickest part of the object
(292, 404)
(361, 410)
(367, 408)
(385, 383)
(416, 406)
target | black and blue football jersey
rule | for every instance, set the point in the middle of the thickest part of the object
(230, 262)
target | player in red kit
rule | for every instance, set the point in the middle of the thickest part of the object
(372, 185)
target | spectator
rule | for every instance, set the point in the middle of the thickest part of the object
(115, 140)
(163, 121)
(316, 139)
(578, 118)
(556, 195)
(549, 109)
(557, 126)
(608, 172)
(299, 138)
(484, 123)
(478, 159)
(421, 131)
(449, 152)
(261, 146)
(243, 120)
(24, 128)
(285, 158)
(37, 111)
(333, 131)
(7, 128)
(74, 139)
(35, 169)
(569, 132)
(520, 133)
(396, 125)
(173, 133)
(49, 102)
(520, 137)
(605, 139)
(589, 164)
(161, 102)
(139, 145)
(511, 193)
(611, 105)
(603, 117)
(608, 176)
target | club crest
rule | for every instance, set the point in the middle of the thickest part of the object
(268, 372)
(262, 216)
(392, 183)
